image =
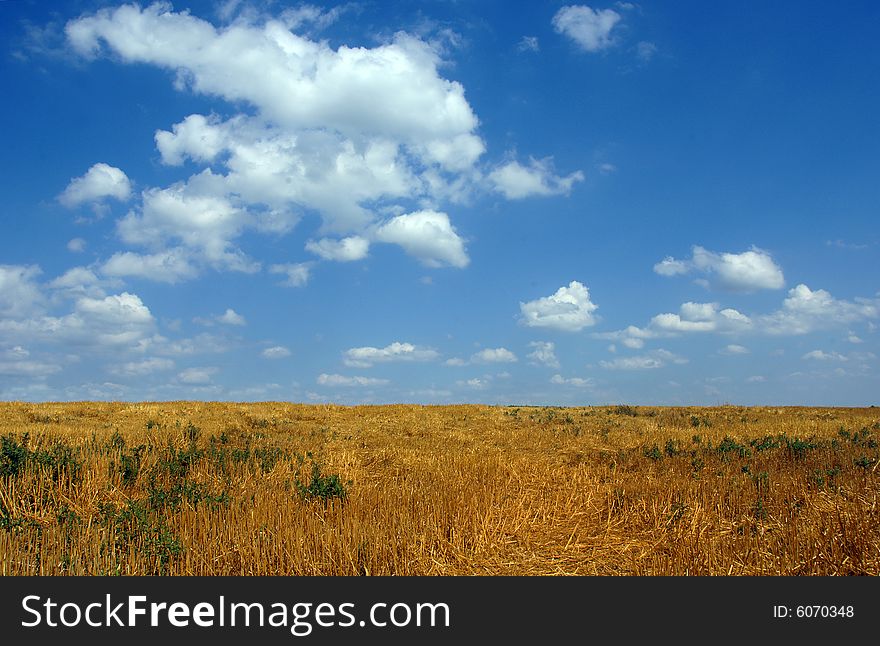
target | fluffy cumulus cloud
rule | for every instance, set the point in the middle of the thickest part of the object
(544, 353)
(701, 317)
(100, 181)
(426, 235)
(231, 317)
(494, 355)
(170, 266)
(803, 311)
(737, 272)
(365, 357)
(806, 310)
(515, 181)
(588, 27)
(569, 309)
(20, 293)
(350, 133)
(342, 380)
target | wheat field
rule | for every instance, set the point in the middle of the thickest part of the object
(190, 488)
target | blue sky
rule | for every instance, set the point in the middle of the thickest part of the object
(437, 202)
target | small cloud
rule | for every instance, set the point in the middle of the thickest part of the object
(577, 382)
(650, 361)
(494, 355)
(645, 51)
(544, 354)
(515, 181)
(528, 44)
(76, 245)
(456, 362)
(275, 352)
(607, 169)
(197, 375)
(99, 182)
(366, 356)
(345, 250)
(569, 309)
(589, 28)
(341, 380)
(297, 274)
(231, 317)
(756, 379)
(737, 272)
(734, 349)
(820, 355)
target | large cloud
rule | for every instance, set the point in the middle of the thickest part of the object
(569, 309)
(352, 133)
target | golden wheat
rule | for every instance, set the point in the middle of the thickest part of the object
(220, 489)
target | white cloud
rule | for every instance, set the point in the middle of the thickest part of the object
(76, 245)
(297, 273)
(476, 383)
(351, 133)
(426, 235)
(275, 352)
(821, 355)
(143, 367)
(529, 44)
(170, 266)
(341, 380)
(196, 137)
(577, 382)
(81, 281)
(15, 362)
(853, 338)
(365, 357)
(589, 28)
(20, 294)
(756, 379)
(190, 214)
(646, 50)
(734, 349)
(515, 181)
(569, 309)
(494, 355)
(231, 317)
(197, 375)
(544, 354)
(806, 310)
(737, 272)
(100, 181)
(345, 250)
(455, 362)
(650, 361)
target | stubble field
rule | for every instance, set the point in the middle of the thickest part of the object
(189, 488)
